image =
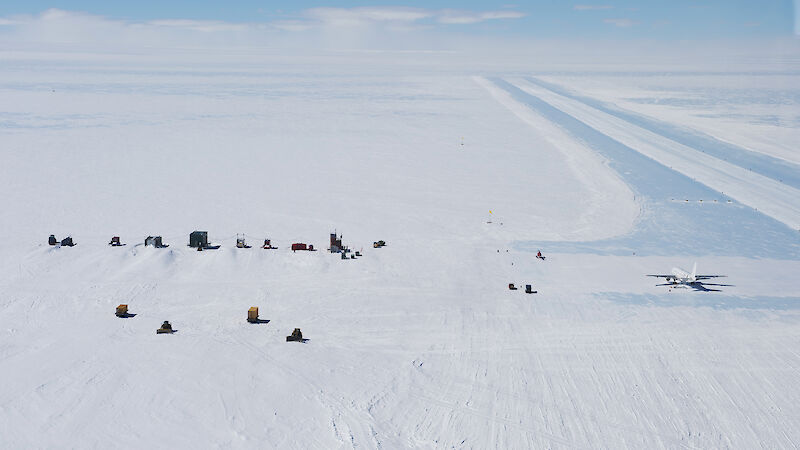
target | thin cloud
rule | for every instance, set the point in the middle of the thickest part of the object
(591, 7)
(460, 17)
(207, 26)
(366, 27)
(361, 16)
(52, 23)
(622, 23)
(290, 25)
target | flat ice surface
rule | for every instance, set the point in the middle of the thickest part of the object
(418, 344)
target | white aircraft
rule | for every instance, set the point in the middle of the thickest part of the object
(682, 278)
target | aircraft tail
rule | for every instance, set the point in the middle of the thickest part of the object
(694, 270)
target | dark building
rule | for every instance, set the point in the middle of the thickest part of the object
(336, 243)
(198, 239)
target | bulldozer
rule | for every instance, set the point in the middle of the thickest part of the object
(297, 336)
(166, 328)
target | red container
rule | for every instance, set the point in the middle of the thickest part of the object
(299, 246)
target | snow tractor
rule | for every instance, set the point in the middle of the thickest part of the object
(166, 328)
(297, 336)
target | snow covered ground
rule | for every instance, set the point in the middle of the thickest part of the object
(418, 344)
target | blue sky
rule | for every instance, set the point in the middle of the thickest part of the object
(680, 19)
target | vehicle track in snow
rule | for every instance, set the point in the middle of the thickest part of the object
(358, 422)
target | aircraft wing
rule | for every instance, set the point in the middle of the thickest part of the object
(700, 287)
(661, 276)
(707, 277)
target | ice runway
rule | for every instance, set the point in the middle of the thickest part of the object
(772, 197)
(778, 169)
(716, 227)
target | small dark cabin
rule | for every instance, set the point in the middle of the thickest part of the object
(198, 239)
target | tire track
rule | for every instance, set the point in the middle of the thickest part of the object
(359, 430)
